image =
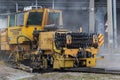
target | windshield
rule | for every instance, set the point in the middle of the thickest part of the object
(20, 19)
(35, 18)
(53, 18)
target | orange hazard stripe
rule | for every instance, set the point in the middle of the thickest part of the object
(101, 43)
(100, 35)
(100, 39)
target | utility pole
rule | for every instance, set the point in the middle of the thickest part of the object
(36, 4)
(115, 24)
(110, 23)
(53, 4)
(16, 7)
(91, 16)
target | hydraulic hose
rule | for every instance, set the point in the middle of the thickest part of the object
(31, 44)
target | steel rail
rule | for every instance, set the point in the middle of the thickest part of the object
(93, 70)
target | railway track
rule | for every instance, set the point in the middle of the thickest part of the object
(94, 70)
(84, 70)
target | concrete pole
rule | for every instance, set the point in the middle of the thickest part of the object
(110, 23)
(36, 4)
(53, 4)
(115, 24)
(16, 7)
(91, 16)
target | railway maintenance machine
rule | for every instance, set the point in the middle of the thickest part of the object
(35, 39)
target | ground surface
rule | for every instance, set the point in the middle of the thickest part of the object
(73, 76)
(7, 73)
(111, 58)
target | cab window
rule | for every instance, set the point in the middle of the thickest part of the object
(12, 20)
(19, 19)
(35, 18)
(53, 18)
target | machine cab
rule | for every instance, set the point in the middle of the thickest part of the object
(24, 23)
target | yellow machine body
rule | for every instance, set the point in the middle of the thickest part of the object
(47, 43)
(15, 29)
(32, 35)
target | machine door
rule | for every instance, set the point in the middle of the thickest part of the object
(15, 25)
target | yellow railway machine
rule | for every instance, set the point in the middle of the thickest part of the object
(35, 38)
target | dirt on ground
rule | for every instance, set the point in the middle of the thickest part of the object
(73, 76)
(8, 73)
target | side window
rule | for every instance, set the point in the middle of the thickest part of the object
(12, 20)
(53, 18)
(19, 19)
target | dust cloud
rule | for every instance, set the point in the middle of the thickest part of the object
(75, 14)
